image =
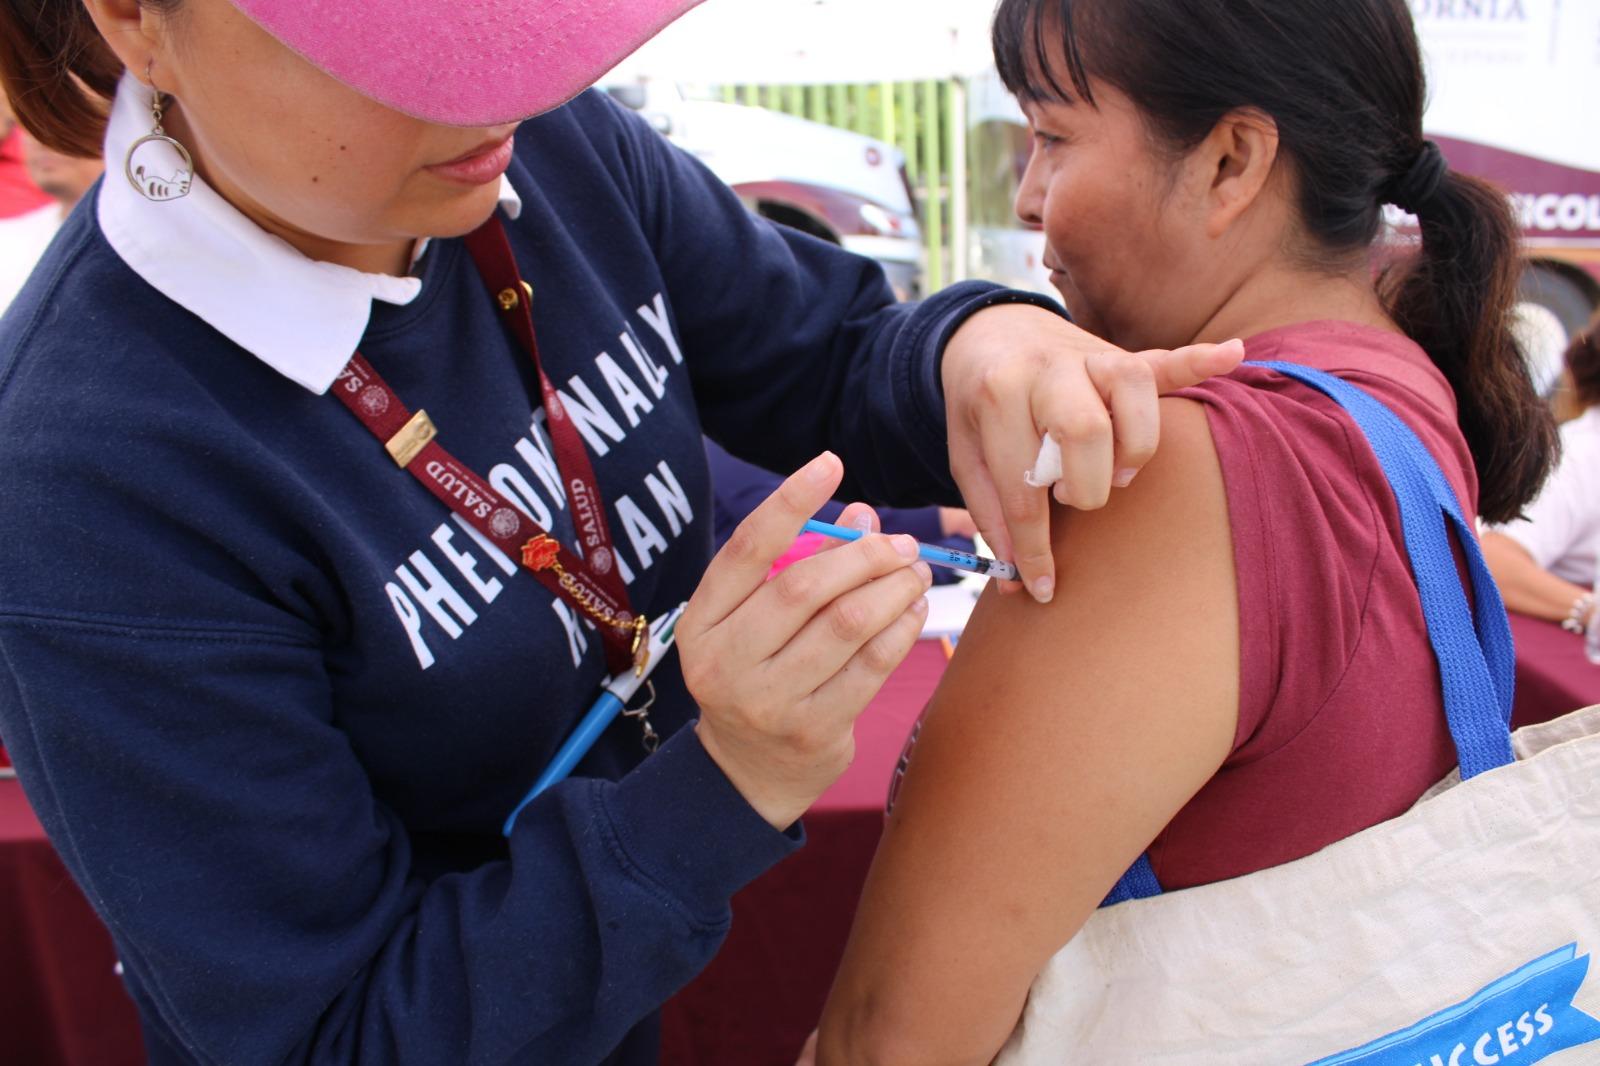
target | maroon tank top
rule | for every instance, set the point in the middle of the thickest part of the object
(1341, 720)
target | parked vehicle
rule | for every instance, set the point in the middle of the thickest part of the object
(1000, 248)
(833, 184)
(1512, 91)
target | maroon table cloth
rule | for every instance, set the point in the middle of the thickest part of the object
(61, 1003)
(1553, 677)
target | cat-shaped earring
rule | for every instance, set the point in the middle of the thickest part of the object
(154, 185)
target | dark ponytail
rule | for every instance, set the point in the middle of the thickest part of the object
(1343, 80)
(58, 73)
(1454, 299)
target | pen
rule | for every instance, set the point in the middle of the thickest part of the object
(946, 557)
(613, 698)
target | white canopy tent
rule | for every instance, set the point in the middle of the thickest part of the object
(818, 42)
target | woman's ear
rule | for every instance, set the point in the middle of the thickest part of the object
(1240, 152)
(130, 31)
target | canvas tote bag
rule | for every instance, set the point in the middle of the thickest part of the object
(1458, 934)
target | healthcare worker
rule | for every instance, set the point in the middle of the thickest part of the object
(352, 426)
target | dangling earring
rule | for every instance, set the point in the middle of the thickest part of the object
(153, 184)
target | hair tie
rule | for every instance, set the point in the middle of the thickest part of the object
(1413, 190)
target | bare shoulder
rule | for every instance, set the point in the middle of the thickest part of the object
(1159, 553)
(1183, 479)
(1146, 614)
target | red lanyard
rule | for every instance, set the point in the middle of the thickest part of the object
(590, 583)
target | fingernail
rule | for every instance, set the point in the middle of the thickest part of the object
(920, 606)
(820, 469)
(904, 546)
(1124, 477)
(925, 572)
(863, 522)
(1043, 588)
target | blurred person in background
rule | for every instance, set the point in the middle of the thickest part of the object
(18, 194)
(1545, 561)
(28, 215)
(64, 178)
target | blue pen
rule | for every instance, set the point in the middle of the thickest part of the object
(945, 557)
(613, 698)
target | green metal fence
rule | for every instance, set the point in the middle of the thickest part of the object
(925, 120)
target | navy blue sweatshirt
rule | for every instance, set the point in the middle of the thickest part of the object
(272, 702)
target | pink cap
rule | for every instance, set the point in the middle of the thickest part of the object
(465, 62)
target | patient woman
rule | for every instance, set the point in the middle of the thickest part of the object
(1235, 672)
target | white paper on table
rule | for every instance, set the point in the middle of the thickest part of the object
(949, 607)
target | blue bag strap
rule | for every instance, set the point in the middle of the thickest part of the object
(1477, 663)
(1138, 883)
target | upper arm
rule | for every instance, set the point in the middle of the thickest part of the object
(1061, 742)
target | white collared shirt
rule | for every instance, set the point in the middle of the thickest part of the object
(302, 317)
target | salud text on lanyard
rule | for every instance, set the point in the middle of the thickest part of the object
(590, 583)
